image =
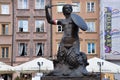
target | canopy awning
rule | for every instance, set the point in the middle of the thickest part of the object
(42, 64)
(106, 67)
(5, 68)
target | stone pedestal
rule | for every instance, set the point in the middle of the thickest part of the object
(70, 78)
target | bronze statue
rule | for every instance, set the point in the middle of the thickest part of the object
(70, 61)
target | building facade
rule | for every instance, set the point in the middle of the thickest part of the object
(34, 37)
(25, 34)
(89, 11)
(5, 30)
(31, 31)
(109, 30)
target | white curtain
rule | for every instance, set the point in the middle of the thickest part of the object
(20, 48)
(37, 48)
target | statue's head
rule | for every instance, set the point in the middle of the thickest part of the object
(67, 9)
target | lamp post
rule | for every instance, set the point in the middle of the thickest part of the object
(39, 64)
(100, 65)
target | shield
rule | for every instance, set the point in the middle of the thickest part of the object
(79, 22)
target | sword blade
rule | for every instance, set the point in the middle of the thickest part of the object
(63, 5)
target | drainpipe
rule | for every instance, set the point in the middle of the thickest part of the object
(51, 30)
(12, 32)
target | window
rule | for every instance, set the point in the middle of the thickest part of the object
(22, 4)
(91, 48)
(39, 4)
(39, 49)
(76, 8)
(39, 24)
(4, 9)
(60, 28)
(91, 26)
(22, 49)
(5, 51)
(58, 44)
(59, 8)
(90, 6)
(5, 29)
(23, 25)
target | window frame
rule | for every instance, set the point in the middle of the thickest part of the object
(5, 29)
(5, 53)
(74, 8)
(61, 28)
(25, 45)
(22, 6)
(41, 28)
(90, 9)
(91, 28)
(36, 7)
(23, 28)
(6, 12)
(59, 8)
(42, 45)
(91, 46)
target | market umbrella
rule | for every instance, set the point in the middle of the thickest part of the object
(38, 64)
(106, 67)
(5, 68)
